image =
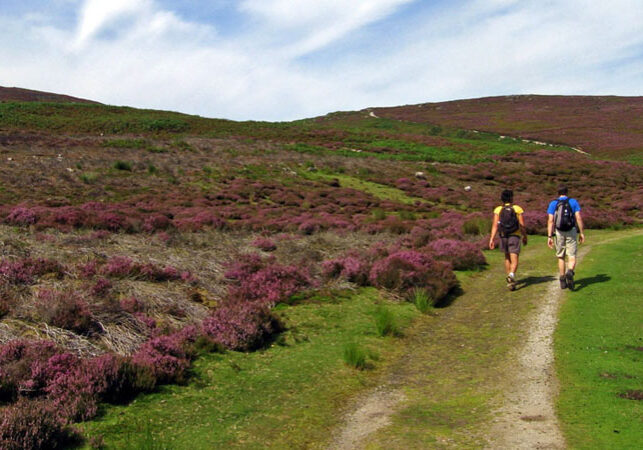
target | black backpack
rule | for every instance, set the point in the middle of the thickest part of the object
(508, 221)
(564, 218)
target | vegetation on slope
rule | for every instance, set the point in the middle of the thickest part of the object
(606, 126)
(139, 240)
(599, 349)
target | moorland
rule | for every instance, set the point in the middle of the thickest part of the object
(142, 248)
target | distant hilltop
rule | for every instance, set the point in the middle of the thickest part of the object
(14, 94)
(600, 125)
(603, 126)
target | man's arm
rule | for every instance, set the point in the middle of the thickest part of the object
(494, 231)
(581, 227)
(523, 230)
(550, 230)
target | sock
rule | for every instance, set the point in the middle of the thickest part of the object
(511, 274)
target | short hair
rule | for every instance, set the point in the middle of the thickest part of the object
(562, 190)
(507, 196)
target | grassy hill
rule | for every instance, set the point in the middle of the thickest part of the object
(135, 242)
(606, 126)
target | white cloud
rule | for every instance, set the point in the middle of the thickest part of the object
(136, 53)
(314, 24)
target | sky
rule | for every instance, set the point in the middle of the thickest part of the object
(291, 59)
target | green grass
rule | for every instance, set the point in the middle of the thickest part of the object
(287, 396)
(599, 349)
(380, 191)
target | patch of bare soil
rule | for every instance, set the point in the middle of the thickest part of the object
(527, 419)
(373, 412)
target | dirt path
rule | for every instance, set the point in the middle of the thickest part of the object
(527, 419)
(523, 377)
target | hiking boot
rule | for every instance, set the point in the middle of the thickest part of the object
(563, 282)
(569, 277)
(511, 283)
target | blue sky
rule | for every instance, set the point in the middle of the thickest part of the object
(290, 59)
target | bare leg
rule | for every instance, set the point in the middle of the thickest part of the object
(571, 262)
(507, 263)
(561, 266)
(514, 262)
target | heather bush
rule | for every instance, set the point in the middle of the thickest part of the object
(462, 255)
(405, 270)
(33, 425)
(101, 288)
(107, 220)
(124, 267)
(271, 284)
(155, 222)
(242, 325)
(88, 269)
(535, 221)
(21, 215)
(131, 305)
(265, 244)
(167, 357)
(24, 271)
(352, 268)
(120, 267)
(16, 360)
(245, 265)
(65, 309)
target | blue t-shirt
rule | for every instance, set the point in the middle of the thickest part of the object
(572, 202)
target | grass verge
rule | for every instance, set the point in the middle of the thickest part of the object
(599, 348)
(287, 396)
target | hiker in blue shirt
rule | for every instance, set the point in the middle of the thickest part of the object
(565, 220)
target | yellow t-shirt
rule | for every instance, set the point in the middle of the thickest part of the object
(518, 210)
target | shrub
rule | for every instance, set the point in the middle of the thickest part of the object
(24, 271)
(65, 309)
(123, 165)
(352, 268)
(156, 222)
(271, 285)
(354, 356)
(166, 357)
(101, 288)
(462, 255)
(33, 424)
(131, 305)
(242, 325)
(16, 360)
(265, 244)
(245, 265)
(405, 270)
(21, 215)
(120, 267)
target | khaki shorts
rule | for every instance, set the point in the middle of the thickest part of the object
(566, 243)
(510, 244)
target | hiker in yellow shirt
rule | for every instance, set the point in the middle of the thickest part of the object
(509, 223)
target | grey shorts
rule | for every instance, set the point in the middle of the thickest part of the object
(510, 244)
(566, 243)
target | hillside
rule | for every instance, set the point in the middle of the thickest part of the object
(26, 95)
(137, 242)
(605, 126)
